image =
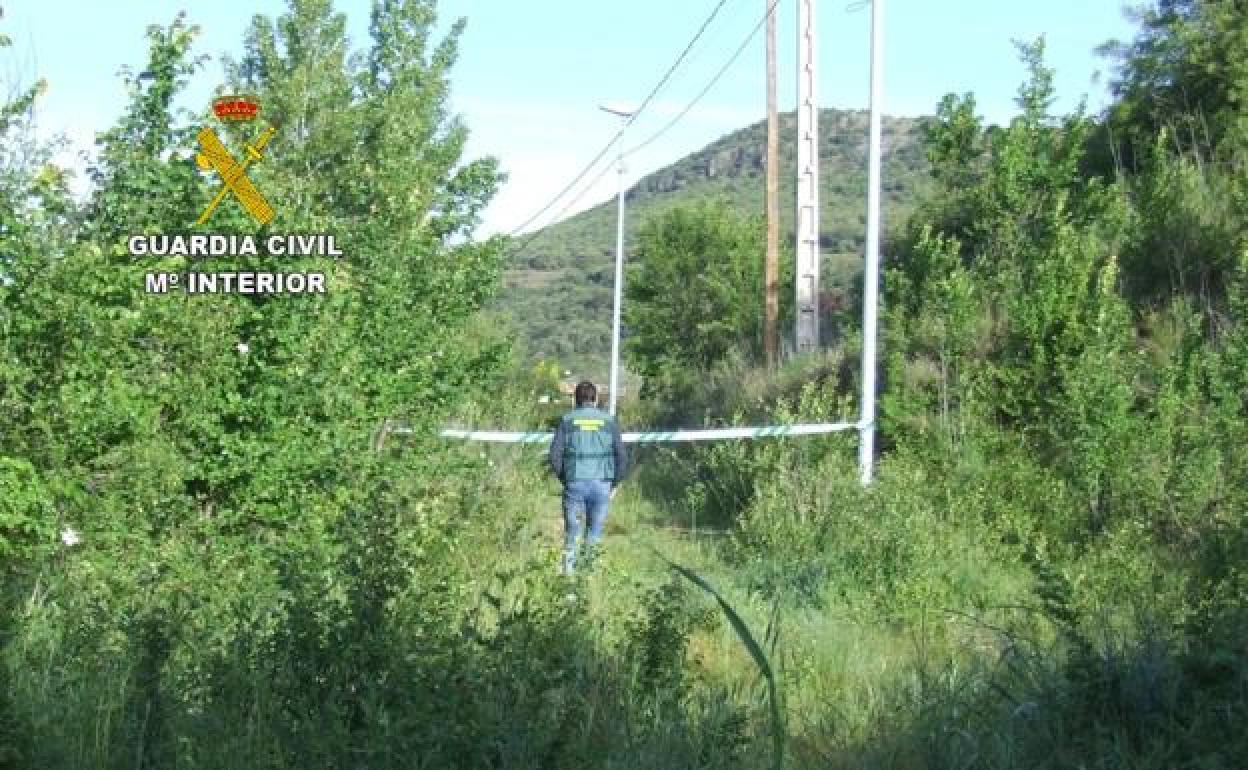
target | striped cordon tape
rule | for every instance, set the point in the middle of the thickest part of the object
(655, 437)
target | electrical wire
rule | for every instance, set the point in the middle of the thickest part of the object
(636, 113)
(583, 192)
(731, 60)
(525, 243)
(706, 89)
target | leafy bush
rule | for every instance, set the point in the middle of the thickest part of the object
(27, 514)
(695, 294)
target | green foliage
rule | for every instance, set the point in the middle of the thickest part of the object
(757, 655)
(263, 419)
(138, 189)
(695, 294)
(676, 249)
(1064, 392)
(26, 514)
(1177, 127)
(1192, 226)
(710, 485)
(659, 637)
(917, 540)
(213, 450)
(546, 376)
(1011, 300)
(1183, 72)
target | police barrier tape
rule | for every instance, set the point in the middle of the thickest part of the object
(654, 437)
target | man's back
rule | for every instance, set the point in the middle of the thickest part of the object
(587, 446)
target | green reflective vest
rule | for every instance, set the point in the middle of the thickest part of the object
(588, 452)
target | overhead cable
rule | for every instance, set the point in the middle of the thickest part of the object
(601, 153)
(711, 84)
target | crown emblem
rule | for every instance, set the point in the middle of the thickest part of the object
(236, 108)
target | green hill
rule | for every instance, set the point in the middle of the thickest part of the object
(557, 291)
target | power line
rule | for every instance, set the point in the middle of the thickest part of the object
(852, 7)
(571, 184)
(585, 190)
(520, 249)
(732, 60)
(693, 103)
(649, 98)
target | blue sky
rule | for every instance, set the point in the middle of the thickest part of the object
(531, 74)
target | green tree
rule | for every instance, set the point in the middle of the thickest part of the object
(215, 450)
(1187, 71)
(1179, 127)
(695, 293)
(1006, 298)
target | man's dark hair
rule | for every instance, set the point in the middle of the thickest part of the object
(586, 394)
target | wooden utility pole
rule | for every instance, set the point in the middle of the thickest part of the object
(771, 270)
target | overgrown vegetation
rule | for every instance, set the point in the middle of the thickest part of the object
(210, 560)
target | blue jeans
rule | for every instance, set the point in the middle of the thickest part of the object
(592, 497)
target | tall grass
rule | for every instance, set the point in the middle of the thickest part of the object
(778, 731)
(928, 624)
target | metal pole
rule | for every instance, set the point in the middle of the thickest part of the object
(871, 274)
(619, 284)
(807, 223)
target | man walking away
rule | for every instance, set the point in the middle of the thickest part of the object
(587, 455)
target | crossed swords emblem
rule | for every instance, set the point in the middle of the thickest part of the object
(214, 156)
